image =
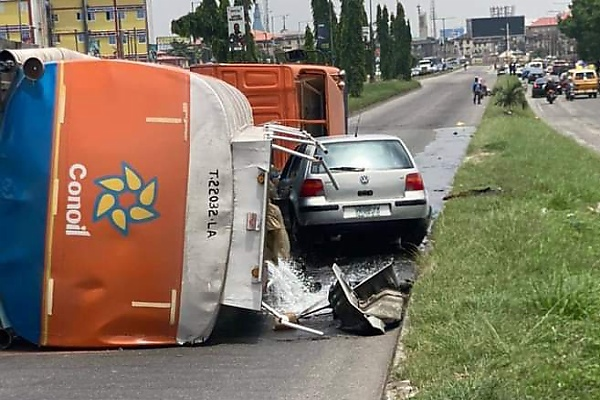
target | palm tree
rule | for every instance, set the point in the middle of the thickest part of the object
(509, 94)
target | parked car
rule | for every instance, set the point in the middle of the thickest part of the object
(381, 191)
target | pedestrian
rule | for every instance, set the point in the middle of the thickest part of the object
(476, 91)
(277, 246)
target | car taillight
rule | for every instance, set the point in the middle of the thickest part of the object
(312, 188)
(414, 181)
(535, 85)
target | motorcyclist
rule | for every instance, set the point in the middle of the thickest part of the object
(570, 88)
(477, 91)
(550, 85)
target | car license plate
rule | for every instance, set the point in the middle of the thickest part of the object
(368, 212)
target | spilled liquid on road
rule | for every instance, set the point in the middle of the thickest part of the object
(288, 289)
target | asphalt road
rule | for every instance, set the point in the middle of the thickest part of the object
(579, 118)
(248, 360)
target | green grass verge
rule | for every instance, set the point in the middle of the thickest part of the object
(377, 92)
(507, 305)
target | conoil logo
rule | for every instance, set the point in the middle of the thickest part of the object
(126, 199)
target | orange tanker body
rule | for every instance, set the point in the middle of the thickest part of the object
(309, 97)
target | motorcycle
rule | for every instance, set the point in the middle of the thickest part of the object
(551, 96)
(569, 93)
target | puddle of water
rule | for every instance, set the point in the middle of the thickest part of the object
(440, 160)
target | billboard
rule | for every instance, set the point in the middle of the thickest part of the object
(236, 27)
(489, 27)
(323, 37)
(165, 43)
(452, 33)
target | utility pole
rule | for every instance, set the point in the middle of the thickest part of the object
(433, 19)
(443, 19)
(267, 12)
(117, 29)
(507, 39)
(283, 17)
(371, 44)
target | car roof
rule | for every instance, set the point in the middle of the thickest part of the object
(359, 138)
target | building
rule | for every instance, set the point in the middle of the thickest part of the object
(425, 47)
(16, 21)
(105, 28)
(543, 38)
(272, 43)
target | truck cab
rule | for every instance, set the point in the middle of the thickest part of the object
(308, 97)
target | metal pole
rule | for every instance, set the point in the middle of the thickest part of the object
(507, 39)
(371, 44)
(117, 29)
(444, 38)
(20, 21)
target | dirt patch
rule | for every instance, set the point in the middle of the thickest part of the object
(478, 157)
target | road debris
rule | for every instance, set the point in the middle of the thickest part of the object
(377, 303)
(474, 192)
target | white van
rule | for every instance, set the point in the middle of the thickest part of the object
(426, 66)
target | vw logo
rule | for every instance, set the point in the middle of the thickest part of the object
(364, 179)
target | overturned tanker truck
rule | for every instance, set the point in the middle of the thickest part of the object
(132, 202)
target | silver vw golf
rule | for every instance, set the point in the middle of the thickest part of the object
(380, 190)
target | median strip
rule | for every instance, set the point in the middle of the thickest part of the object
(378, 92)
(507, 305)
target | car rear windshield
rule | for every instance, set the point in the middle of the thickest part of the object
(368, 155)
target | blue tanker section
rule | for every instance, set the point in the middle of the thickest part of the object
(26, 133)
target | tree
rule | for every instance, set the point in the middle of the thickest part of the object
(209, 22)
(401, 44)
(335, 34)
(386, 55)
(309, 45)
(325, 23)
(352, 48)
(509, 94)
(183, 49)
(583, 25)
(221, 42)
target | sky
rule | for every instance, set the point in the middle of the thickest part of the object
(298, 11)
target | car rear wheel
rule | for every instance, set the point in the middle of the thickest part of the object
(413, 236)
(301, 240)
